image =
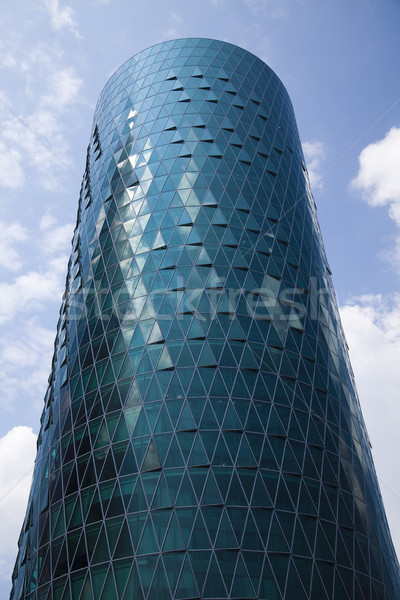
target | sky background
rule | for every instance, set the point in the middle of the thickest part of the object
(339, 61)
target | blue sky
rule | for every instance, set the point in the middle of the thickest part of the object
(339, 61)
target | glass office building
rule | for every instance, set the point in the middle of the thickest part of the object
(201, 435)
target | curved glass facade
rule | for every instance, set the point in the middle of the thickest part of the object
(201, 436)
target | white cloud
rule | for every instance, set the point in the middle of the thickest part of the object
(55, 237)
(26, 349)
(174, 20)
(372, 326)
(392, 256)
(378, 180)
(314, 155)
(11, 172)
(378, 177)
(64, 87)
(17, 454)
(8, 60)
(29, 139)
(33, 132)
(29, 291)
(11, 233)
(37, 61)
(61, 17)
(58, 238)
(47, 221)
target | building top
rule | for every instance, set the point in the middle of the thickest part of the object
(169, 52)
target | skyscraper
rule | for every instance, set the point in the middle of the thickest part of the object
(201, 435)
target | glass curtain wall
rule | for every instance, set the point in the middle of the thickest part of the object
(201, 435)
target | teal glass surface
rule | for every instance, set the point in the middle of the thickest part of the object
(201, 435)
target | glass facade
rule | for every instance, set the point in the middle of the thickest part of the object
(201, 435)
